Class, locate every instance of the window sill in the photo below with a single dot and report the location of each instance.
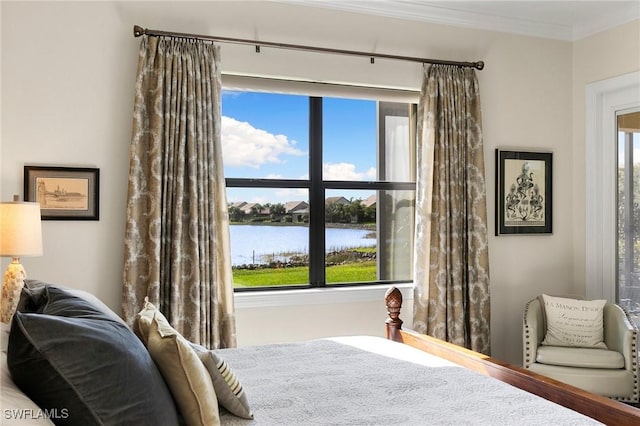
(318, 296)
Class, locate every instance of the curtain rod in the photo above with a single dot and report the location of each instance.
(139, 31)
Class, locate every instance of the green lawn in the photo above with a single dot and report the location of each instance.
(351, 272)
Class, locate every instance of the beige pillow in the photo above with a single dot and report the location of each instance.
(228, 388)
(186, 376)
(572, 322)
(143, 320)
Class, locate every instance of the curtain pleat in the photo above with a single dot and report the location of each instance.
(451, 257)
(177, 250)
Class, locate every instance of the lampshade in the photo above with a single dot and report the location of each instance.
(20, 229)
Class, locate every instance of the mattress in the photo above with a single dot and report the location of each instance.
(364, 380)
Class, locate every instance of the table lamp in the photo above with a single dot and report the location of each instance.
(20, 235)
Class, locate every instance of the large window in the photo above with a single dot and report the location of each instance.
(321, 190)
(629, 213)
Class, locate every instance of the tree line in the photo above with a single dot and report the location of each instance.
(351, 211)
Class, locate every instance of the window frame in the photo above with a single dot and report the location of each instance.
(317, 188)
(627, 270)
(603, 99)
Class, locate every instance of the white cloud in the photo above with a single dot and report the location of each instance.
(244, 145)
(266, 195)
(288, 194)
(346, 171)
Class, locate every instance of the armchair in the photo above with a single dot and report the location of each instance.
(611, 372)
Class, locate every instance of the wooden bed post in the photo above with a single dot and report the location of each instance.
(393, 301)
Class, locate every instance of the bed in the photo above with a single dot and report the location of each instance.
(404, 379)
(604, 410)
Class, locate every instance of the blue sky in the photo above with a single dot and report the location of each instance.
(266, 135)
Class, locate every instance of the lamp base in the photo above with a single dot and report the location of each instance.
(12, 285)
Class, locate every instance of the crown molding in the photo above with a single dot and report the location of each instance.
(454, 13)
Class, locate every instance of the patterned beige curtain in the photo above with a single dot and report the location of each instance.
(451, 268)
(177, 235)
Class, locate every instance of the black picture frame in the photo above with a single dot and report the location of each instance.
(524, 192)
(64, 193)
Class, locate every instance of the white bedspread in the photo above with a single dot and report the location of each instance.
(336, 382)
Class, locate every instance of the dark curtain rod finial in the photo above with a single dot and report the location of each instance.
(139, 31)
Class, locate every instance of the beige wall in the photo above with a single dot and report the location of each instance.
(67, 91)
(599, 57)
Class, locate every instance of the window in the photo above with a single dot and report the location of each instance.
(321, 190)
(605, 99)
(629, 213)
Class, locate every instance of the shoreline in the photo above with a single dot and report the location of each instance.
(333, 258)
(367, 226)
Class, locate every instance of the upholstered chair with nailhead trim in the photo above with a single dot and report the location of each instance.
(610, 372)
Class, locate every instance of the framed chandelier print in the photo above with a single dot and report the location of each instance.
(524, 187)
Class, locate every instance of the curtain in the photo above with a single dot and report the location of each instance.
(451, 257)
(177, 250)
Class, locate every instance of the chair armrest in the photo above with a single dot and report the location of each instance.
(533, 331)
(621, 335)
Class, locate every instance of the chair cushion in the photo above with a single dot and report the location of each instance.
(619, 383)
(579, 357)
(575, 323)
(85, 366)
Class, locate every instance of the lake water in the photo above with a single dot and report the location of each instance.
(253, 243)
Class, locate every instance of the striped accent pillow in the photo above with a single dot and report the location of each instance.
(227, 386)
(232, 381)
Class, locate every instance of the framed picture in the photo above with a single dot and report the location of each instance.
(523, 192)
(64, 193)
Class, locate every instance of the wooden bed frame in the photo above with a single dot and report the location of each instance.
(603, 409)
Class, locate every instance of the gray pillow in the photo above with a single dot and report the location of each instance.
(30, 298)
(84, 366)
